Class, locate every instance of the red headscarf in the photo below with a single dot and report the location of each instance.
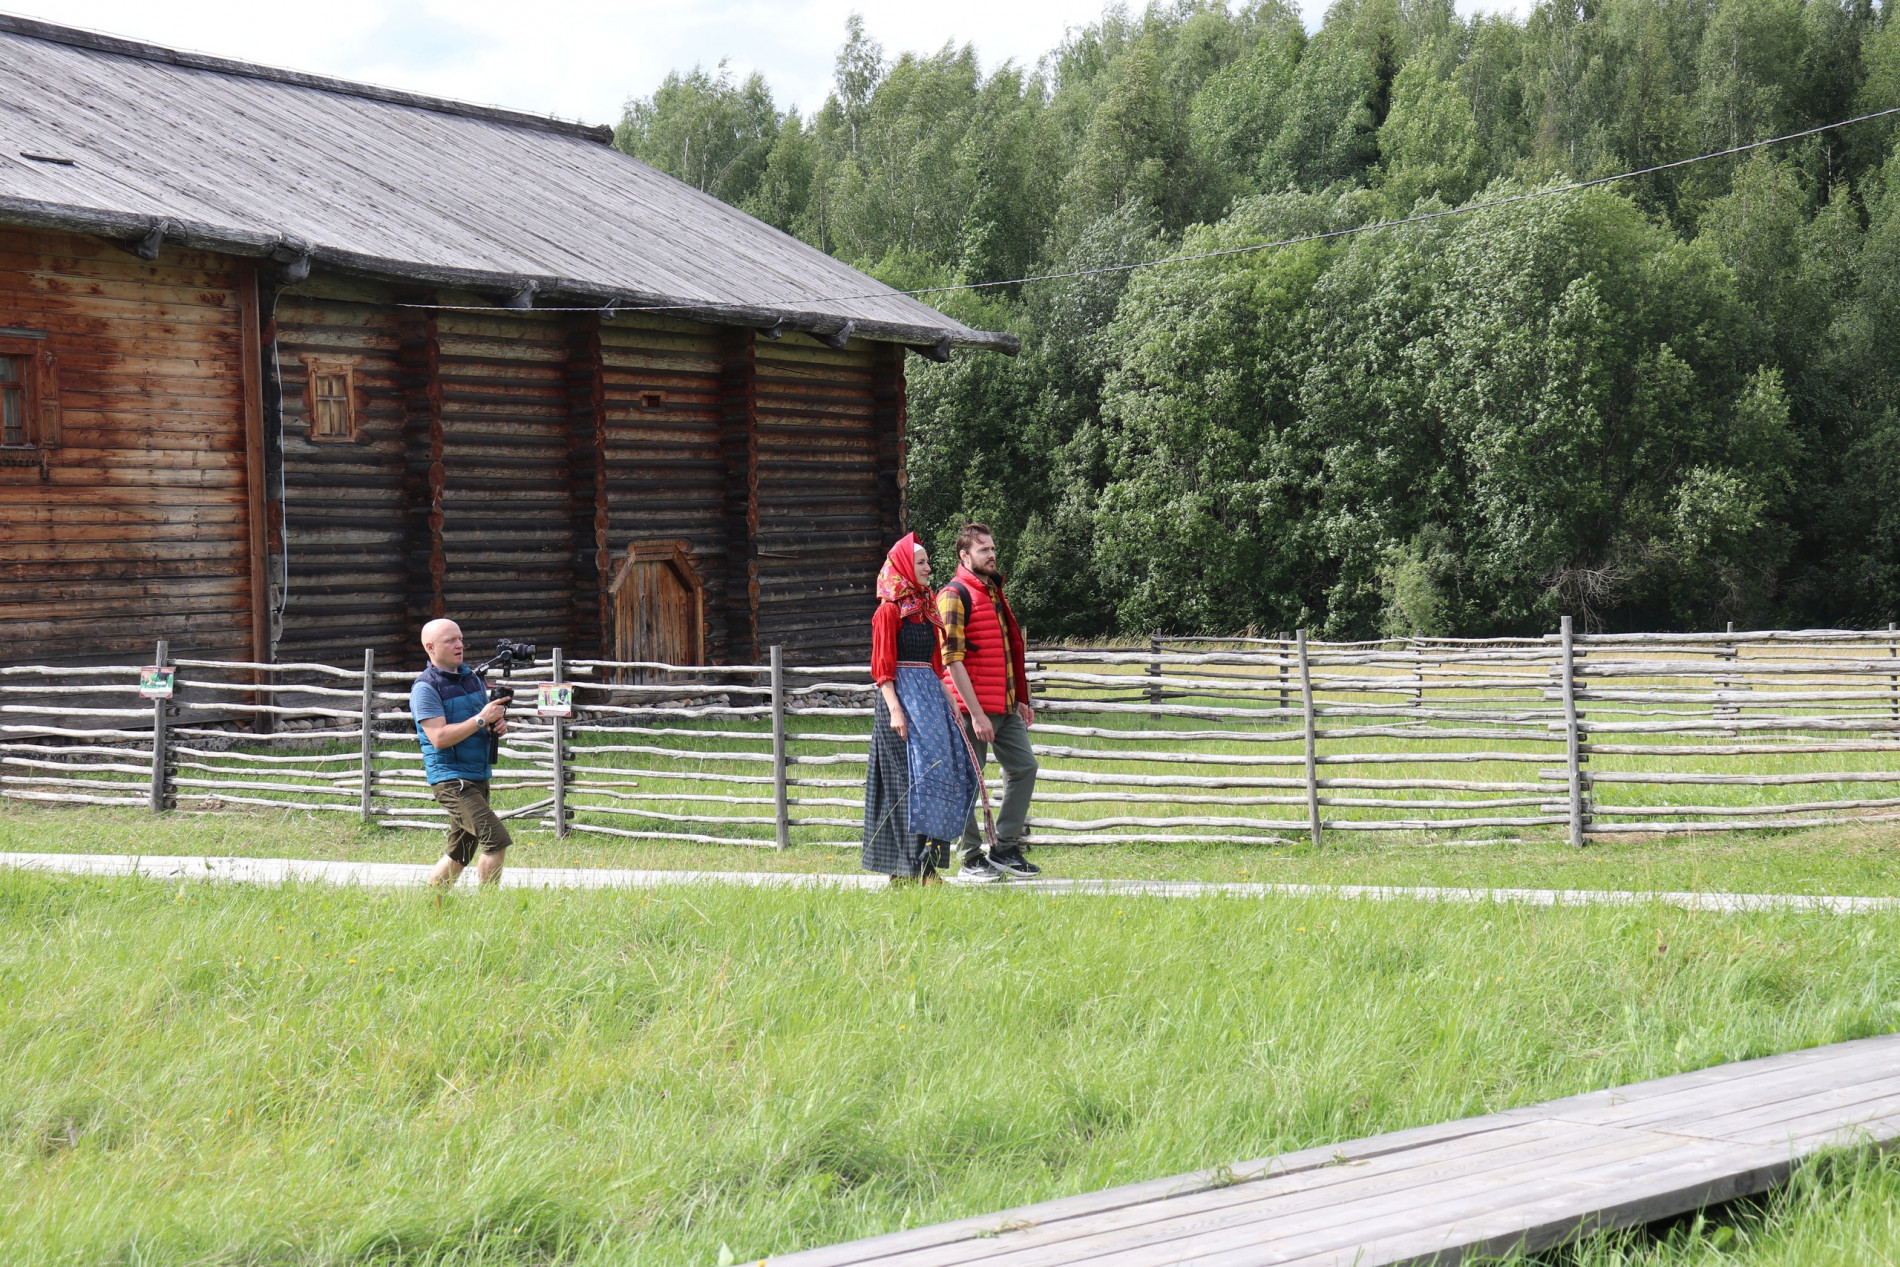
(897, 582)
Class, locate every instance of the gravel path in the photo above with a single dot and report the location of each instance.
(397, 874)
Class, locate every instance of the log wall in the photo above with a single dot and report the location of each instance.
(507, 531)
(138, 524)
(345, 503)
(666, 477)
(499, 468)
(821, 513)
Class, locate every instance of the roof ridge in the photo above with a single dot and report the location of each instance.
(80, 38)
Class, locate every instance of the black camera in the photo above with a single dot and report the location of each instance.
(509, 656)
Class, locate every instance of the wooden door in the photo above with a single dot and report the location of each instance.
(659, 608)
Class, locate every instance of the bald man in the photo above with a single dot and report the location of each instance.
(454, 718)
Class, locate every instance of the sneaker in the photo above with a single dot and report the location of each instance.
(1009, 859)
(979, 870)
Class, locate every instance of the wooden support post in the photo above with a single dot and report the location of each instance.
(1726, 683)
(1573, 763)
(1282, 658)
(560, 757)
(1418, 692)
(590, 621)
(424, 448)
(780, 811)
(739, 452)
(369, 735)
(161, 741)
(257, 489)
(1312, 740)
(1893, 683)
(889, 418)
(1154, 668)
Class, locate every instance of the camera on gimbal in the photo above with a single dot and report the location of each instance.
(509, 656)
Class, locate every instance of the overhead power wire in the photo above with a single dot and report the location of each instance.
(1224, 253)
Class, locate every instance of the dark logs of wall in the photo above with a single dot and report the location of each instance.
(139, 522)
(504, 463)
(821, 536)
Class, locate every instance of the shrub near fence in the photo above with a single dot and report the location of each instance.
(1245, 740)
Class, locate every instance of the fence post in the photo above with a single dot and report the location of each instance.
(1418, 671)
(781, 813)
(1893, 683)
(1573, 763)
(369, 734)
(1281, 653)
(1726, 683)
(1312, 741)
(560, 757)
(161, 740)
(1154, 668)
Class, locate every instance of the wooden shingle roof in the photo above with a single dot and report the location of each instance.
(111, 137)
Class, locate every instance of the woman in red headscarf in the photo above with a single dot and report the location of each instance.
(920, 785)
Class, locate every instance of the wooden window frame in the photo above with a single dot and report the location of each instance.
(318, 367)
(39, 386)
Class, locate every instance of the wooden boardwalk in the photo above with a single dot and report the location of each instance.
(1530, 1178)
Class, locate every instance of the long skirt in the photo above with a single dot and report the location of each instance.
(917, 794)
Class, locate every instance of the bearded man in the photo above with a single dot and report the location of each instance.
(984, 662)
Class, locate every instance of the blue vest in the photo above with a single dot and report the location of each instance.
(461, 696)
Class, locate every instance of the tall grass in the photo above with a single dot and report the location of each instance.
(314, 1075)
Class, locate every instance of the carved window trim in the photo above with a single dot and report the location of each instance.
(329, 399)
(34, 392)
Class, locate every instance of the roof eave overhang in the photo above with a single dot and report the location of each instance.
(283, 248)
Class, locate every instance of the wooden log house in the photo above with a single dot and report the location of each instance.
(289, 366)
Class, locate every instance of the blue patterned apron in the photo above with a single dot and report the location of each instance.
(943, 786)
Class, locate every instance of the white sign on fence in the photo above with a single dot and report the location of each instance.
(554, 699)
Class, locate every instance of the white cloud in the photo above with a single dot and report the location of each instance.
(575, 58)
(584, 58)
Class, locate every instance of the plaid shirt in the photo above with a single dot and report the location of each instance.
(955, 644)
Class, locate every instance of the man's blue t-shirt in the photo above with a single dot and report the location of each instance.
(454, 697)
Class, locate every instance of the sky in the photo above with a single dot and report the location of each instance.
(578, 59)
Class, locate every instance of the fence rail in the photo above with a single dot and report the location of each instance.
(1257, 740)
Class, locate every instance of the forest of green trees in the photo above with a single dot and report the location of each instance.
(1663, 403)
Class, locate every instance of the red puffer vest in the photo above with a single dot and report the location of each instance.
(986, 654)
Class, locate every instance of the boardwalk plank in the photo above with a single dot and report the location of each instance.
(1683, 1096)
(1533, 1215)
(1415, 1200)
(1531, 1177)
(1324, 1188)
(882, 1249)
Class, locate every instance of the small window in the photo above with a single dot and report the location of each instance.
(652, 400)
(14, 432)
(332, 401)
(29, 397)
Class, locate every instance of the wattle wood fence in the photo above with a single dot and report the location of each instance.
(1249, 740)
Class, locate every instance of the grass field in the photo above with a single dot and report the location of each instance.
(203, 1074)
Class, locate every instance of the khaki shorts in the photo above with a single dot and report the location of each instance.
(472, 825)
